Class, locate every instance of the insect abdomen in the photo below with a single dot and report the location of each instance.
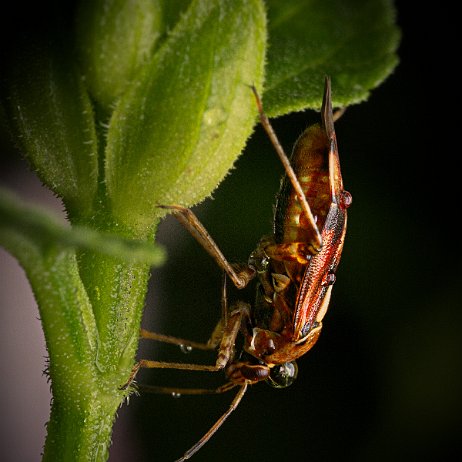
(310, 162)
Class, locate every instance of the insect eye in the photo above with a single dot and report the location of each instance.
(283, 375)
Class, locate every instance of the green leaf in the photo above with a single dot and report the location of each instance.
(353, 41)
(51, 118)
(115, 38)
(177, 132)
(172, 11)
(19, 221)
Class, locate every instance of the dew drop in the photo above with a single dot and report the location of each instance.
(345, 199)
(186, 349)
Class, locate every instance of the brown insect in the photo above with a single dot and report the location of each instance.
(295, 268)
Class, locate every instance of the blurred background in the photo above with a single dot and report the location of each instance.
(384, 381)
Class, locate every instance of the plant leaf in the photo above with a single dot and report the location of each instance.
(115, 38)
(39, 226)
(177, 132)
(353, 41)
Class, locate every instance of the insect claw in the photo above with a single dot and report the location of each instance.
(131, 380)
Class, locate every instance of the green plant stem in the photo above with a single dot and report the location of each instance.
(80, 431)
(86, 391)
(116, 290)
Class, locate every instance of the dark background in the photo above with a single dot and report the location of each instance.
(384, 381)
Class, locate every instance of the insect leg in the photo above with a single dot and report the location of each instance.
(237, 399)
(146, 334)
(150, 364)
(225, 350)
(240, 275)
(339, 113)
(230, 332)
(188, 391)
(212, 342)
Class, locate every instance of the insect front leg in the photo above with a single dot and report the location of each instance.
(225, 350)
(241, 275)
(236, 318)
(149, 364)
(227, 340)
(212, 342)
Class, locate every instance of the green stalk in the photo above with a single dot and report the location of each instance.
(85, 397)
(91, 340)
(80, 433)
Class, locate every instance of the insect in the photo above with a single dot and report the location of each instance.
(294, 267)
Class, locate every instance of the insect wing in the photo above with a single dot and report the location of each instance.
(316, 286)
(314, 292)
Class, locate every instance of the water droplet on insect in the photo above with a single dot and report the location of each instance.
(330, 278)
(176, 395)
(186, 349)
(345, 199)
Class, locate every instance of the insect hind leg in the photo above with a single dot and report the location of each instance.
(237, 399)
(187, 391)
